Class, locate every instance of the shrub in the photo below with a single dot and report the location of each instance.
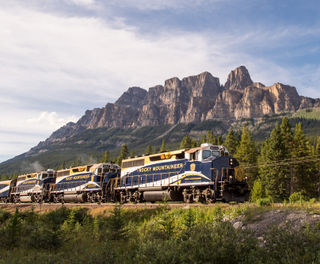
(296, 197)
(264, 201)
(313, 200)
(257, 191)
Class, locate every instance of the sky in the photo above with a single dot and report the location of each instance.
(59, 58)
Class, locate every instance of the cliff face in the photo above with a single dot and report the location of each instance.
(192, 99)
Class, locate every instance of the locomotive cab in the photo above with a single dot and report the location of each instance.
(45, 174)
(206, 152)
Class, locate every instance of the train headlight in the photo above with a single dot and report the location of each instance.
(230, 161)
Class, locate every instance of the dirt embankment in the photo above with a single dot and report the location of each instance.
(261, 220)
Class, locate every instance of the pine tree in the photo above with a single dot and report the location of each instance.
(247, 155)
(148, 150)
(123, 154)
(210, 137)
(163, 147)
(274, 176)
(318, 147)
(186, 142)
(287, 137)
(317, 152)
(231, 142)
(195, 143)
(203, 139)
(78, 162)
(62, 166)
(238, 137)
(287, 134)
(304, 172)
(105, 157)
(117, 227)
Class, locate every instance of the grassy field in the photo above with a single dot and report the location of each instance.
(199, 234)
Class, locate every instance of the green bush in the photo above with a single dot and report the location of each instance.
(264, 201)
(257, 191)
(296, 197)
(313, 200)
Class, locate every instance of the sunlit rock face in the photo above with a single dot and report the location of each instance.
(193, 99)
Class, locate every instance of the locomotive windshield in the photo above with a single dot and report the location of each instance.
(206, 154)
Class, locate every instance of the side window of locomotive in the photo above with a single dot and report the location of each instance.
(206, 154)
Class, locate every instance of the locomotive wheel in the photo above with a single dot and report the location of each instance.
(16, 199)
(188, 198)
(39, 198)
(91, 197)
(202, 199)
(123, 198)
(55, 198)
(60, 197)
(99, 198)
(137, 197)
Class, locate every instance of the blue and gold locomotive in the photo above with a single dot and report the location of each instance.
(84, 183)
(32, 187)
(204, 174)
(5, 191)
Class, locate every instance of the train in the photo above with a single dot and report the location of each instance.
(202, 174)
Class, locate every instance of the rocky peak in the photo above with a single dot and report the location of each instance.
(132, 97)
(172, 83)
(285, 97)
(238, 79)
(202, 85)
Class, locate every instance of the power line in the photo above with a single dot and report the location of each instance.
(297, 160)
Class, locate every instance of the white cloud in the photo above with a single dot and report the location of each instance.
(160, 4)
(22, 129)
(86, 3)
(50, 120)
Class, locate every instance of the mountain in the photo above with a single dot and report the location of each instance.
(193, 99)
(140, 117)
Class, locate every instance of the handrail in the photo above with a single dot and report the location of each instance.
(142, 180)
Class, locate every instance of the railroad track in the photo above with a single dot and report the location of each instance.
(94, 206)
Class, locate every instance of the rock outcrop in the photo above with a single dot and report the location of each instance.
(192, 99)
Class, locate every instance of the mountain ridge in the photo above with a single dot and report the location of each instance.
(194, 98)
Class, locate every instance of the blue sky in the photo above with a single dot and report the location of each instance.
(61, 57)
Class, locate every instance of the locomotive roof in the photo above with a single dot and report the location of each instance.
(171, 154)
(5, 182)
(163, 154)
